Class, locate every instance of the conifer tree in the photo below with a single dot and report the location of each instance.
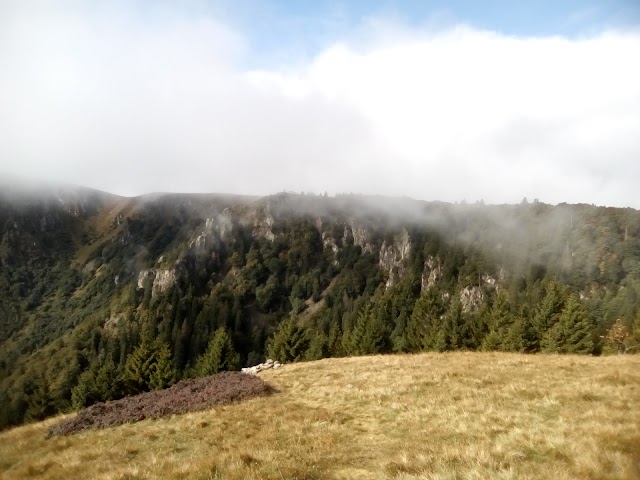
(107, 385)
(334, 340)
(162, 374)
(452, 327)
(82, 392)
(369, 335)
(139, 367)
(573, 331)
(499, 322)
(425, 322)
(289, 342)
(521, 336)
(492, 341)
(97, 384)
(149, 367)
(219, 356)
(318, 347)
(40, 403)
(548, 313)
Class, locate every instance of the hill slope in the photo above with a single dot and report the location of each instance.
(433, 416)
(91, 282)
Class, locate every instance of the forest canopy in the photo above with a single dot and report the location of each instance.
(106, 296)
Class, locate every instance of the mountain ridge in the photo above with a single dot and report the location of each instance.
(89, 278)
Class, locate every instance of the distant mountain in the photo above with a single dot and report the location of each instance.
(93, 282)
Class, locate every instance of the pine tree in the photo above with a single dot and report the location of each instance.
(334, 341)
(139, 368)
(40, 403)
(454, 327)
(318, 347)
(399, 334)
(521, 336)
(492, 341)
(107, 386)
(369, 335)
(81, 394)
(573, 331)
(499, 321)
(548, 313)
(219, 356)
(97, 384)
(162, 374)
(289, 342)
(425, 322)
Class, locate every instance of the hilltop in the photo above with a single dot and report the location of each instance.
(428, 416)
(105, 296)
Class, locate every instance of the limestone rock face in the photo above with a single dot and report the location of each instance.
(431, 273)
(145, 278)
(212, 233)
(489, 281)
(361, 237)
(263, 226)
(329, 243)
(471, 298)
(393, 256)
(164, 280)
(158, 279)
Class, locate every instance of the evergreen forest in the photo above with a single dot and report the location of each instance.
(103, 296)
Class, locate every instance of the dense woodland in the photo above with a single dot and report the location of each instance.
(105, 296)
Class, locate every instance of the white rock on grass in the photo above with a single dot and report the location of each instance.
(262, 366)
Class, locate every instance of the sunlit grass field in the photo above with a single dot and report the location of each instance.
(428, 416)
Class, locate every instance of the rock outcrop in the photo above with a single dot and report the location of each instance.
(269, 364)
(471, 298)
(393, 256)
(431, 273)
(263, 226)
(359, 235)
(158, 279)
(329, 243)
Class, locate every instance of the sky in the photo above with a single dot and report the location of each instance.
(450, 101)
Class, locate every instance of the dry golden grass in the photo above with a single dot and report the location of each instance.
(432, 416)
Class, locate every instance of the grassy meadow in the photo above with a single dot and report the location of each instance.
(428, 416)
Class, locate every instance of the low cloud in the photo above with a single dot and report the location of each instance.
(106, 99)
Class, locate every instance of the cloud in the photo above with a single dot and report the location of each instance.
(132, 102)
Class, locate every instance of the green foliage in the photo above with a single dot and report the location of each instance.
(81, 303)
(318, 348)
(548, 313)
(219, 356)
(522, 335)
(289, 342)
(425, 327)
(369, 336)
(40, 403)
(162, 374)
(97, 384)
(493, 341)
(573, 331)
(149, 367)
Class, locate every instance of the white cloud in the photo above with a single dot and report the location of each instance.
(108, 100)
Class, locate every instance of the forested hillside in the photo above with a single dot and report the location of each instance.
(104, 296)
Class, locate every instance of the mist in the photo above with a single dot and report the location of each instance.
(103, 98)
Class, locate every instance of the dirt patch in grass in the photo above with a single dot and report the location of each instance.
(185, 396)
